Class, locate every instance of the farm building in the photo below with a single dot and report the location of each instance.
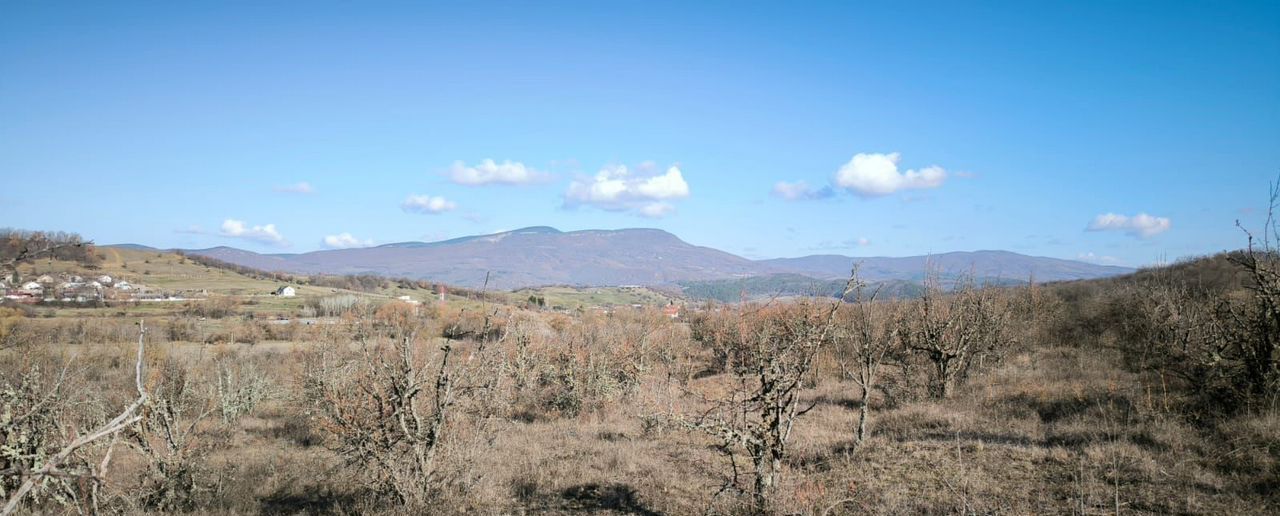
(286, 291)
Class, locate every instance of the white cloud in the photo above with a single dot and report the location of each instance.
(876, 175)
(616, 188)
(302, 187)
(800, 191)
(262, 234)
(1140, 225)
(863, 242)
(427, 204)
(489, 172)
(345, 241)
(657, 210)
(1100, 260)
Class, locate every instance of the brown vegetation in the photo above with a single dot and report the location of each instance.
(1155, 393)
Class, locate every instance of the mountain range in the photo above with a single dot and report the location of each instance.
(538, 256)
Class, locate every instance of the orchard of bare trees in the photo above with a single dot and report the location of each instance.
(1150, 393)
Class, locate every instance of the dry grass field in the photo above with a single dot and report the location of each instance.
(1074, 398)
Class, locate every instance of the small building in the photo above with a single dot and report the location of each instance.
(671, 311)
(409, 299)
(286, 291)
(19, 296)
(124, 285)
(105, 280)
(32, 287)
(45, 280)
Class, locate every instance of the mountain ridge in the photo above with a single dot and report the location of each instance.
(543, 255)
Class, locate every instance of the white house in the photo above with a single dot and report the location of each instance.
(124, 285)
(105, 280)
(45, 280)
(32, 287)
(286, 291)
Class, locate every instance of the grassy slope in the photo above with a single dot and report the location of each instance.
(171, 272)
(573, 297)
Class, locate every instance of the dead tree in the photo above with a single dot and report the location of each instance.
(53, 466)
(777, 349)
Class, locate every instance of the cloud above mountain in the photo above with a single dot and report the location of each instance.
(876, 175)
(265, 234)
(1141, 225)
(639, 191)
(345, 241)
(427, 204)
(489, 172)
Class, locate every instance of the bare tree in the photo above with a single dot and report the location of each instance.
(389, 414)
(864, 339)
(53, 466)
(1174, 333)
(1224, 347)
(777, 346)
(17, 247)
(166, 436)
(953, 330)
(718, 332)
(1256, 339)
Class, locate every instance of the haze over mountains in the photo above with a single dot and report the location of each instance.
(538, 256)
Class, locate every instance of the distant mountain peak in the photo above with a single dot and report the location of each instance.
(536, 230)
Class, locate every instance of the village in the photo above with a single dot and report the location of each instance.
(82, 289)
(77, 289)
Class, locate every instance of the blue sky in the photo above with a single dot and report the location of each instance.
(1118, 132)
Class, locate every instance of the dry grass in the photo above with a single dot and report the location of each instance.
(576, 417)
